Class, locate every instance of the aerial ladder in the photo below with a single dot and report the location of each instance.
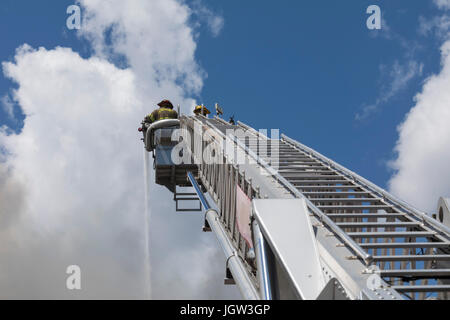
(294, 224)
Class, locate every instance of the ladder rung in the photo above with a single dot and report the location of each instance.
(278, 155)
(295, 175)
(345, 199)
(377, 224)
(303, 171)
(366, 215)
(416, 273)
(299, 177)
(347, 187)
(321, 181)
(295, 155)
(331, 193)
(356, 207)
(416, 257)
(406, 234)
(264, 143)
(379, 245)
(424, 288)
(289, 159)
(284, 152)
(302, 168)
(187, 199)
(299, 160)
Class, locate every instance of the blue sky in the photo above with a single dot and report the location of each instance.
(306, 67)
(309, 68)
(37, 23)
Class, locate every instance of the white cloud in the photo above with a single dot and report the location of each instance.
(76, 175)
(421, 165)
(443, 4)
(398, 77)
(216, 24)
(214, 21)
(439, 25)
(73, 177)
(8, 106)
(401, 75)
(155, 39)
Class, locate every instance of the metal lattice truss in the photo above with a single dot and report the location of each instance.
(370, 244)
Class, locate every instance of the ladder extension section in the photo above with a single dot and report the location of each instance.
(401, 241)
(402, 245)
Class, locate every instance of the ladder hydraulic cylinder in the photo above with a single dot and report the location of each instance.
(265, 288)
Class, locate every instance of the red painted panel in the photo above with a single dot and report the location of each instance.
(243, 212)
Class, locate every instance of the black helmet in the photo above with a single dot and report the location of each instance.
(166, 104)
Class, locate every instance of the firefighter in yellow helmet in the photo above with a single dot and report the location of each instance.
(201, 110)
(165, 111)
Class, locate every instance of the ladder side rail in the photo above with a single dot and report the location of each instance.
(234, 263)
(365, 189)
(208, 173)
(252, 130)
(356, 280)
(322, 217)
(375, 196)
(409, 256)
(378, 194)
(227, 220)
(383, 193)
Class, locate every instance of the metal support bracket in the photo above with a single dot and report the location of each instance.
(333, 291)
(186, 196)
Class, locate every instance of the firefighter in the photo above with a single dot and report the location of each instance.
(165, 111)
(201, 110)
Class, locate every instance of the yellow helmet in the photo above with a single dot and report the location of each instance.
(201, 110)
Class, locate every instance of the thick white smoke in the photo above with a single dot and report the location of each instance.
(71, 189)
